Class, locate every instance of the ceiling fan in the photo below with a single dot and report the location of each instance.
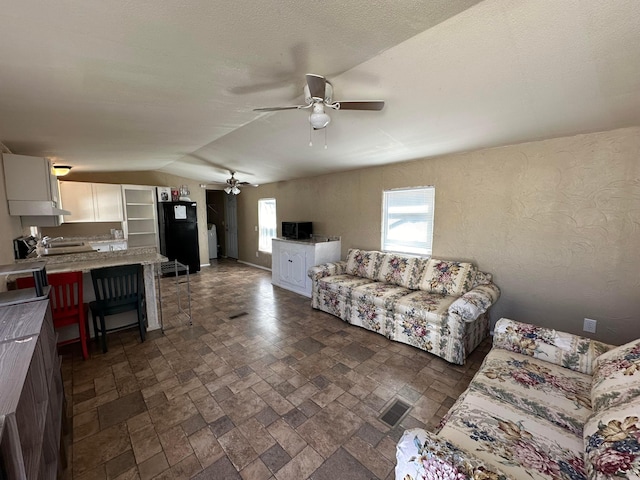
(318, 95)
(233, 184)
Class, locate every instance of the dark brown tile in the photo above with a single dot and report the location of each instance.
(121, 409)
(193, 424)
(275, 458)
(357, 352)
(222, 468)
(342, 465)
(221, 426)
(295, 417)
(267, 416)
(308, 346)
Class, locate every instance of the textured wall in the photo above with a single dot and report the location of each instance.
(556, 221)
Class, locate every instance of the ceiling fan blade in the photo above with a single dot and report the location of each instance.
(362, 105)
(275, 109)
(316, 85)
(247, 184)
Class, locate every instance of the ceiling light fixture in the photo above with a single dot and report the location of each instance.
(319, 119)
(235, 190)
(61, 170)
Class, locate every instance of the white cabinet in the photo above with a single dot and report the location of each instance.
(92, 202)
(107, 202)
(32, 190)
(292, 259)
(141, 216)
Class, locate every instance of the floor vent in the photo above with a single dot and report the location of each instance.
(396, 412)
(236, 315)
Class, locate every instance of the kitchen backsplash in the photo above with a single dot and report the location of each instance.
(81, 229)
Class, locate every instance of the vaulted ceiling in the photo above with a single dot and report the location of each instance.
(171, 86)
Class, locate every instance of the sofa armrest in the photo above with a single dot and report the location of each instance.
(421, 454)
(475, 302)
(327, 269)
(561, 348)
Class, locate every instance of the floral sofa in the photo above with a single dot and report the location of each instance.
(544, 405)
(436, 305)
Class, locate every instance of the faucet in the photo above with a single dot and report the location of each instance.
(47, 240)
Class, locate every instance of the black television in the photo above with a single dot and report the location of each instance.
(297, 230)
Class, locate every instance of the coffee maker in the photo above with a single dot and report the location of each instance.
(23, 246)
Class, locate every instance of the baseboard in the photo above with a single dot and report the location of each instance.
(254, 265)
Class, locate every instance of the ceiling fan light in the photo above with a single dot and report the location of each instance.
(235, 190)
(227, 190)
(319, 120)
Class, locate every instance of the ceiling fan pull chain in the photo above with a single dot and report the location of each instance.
(325, 138)
(310, 142)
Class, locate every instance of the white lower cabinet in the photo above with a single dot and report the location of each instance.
(291, 259)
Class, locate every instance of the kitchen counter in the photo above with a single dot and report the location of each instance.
(87, 261)
(310, 241)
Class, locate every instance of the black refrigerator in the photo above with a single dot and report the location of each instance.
(179, 233)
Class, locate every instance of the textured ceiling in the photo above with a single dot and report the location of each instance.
(142, 85)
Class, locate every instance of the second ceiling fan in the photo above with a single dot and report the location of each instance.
(318, 95)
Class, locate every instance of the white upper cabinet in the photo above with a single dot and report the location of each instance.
(91, 202)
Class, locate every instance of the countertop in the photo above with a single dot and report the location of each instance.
(87, 261)
(309, 241)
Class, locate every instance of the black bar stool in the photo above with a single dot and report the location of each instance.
(118, 289)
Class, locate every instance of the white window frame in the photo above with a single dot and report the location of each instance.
(421, 212)
(267, 224)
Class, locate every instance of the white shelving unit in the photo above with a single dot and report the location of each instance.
(141, 216)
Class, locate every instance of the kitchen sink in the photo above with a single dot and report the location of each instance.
(65, 244)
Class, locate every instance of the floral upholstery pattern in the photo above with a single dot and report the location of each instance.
(539, 388)
(448, 278)
(421, 320)
(401, 270)
(475, 302)
(327, 269)
(372, 306)
(362, 263)
(616, 376)
(422, 455)
(382, 293)
(612, 442)
(528, 413)
(570, 351)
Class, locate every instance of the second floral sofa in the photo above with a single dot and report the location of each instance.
(436, 305)
(544, 405)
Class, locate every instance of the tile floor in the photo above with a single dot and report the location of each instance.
(279, 391)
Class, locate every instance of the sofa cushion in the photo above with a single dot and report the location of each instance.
(447, 278)
(342, 283)
(363, 263)
(379, 294)
(520, 444)
(536, 387)
(420, 319)
(561, 348)
(616, 376)
(612, 442)
(401, 270)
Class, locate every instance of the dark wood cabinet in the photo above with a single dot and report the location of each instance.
(31, 392)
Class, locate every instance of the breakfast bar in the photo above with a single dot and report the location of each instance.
(87, 261)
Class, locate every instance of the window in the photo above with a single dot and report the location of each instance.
(267, 226)
(407, 220)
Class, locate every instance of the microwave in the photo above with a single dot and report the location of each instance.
(297, 230)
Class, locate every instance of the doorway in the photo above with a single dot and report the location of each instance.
(231, 227)
(215, 217)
